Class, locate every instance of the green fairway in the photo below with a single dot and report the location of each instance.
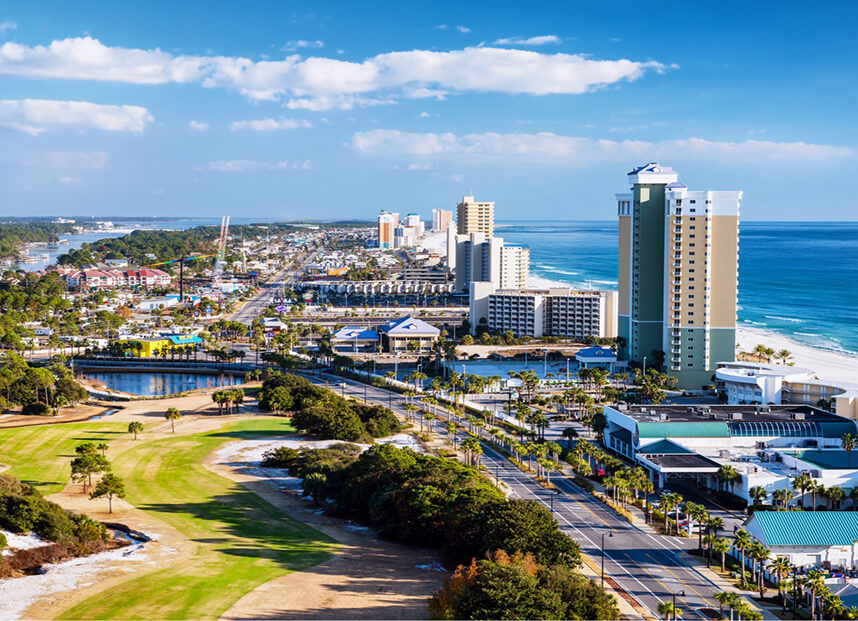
(40, 455)
(241, 540)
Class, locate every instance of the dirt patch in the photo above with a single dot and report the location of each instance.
(367, 579)
(67, 415)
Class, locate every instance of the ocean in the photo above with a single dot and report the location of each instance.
(799, 279)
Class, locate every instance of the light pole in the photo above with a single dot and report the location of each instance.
(610, 534)
(681, 594)
(644, 366)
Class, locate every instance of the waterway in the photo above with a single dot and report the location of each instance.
(157, 384)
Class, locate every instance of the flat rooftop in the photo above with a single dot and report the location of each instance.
(727, 413)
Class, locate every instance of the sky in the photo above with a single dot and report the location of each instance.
(315, 110)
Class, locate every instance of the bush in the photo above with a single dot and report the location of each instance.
(36, 409)
(327, 423)
(3, 542)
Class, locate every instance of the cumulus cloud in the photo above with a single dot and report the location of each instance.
(269, 125)
(239, 166)
(463, 29)
(550, 147)
(198, 126)
(306, 82)
(35, 116)
(7, 26)
(529, 41)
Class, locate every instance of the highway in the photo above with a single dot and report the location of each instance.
(647, 567)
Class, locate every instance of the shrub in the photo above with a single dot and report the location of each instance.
(36, 409)
(3, 542)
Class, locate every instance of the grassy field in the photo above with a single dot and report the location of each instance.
(241, 540)
(41, 455)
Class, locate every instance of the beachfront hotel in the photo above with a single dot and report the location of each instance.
(474, 217)
(678, 274)
(387, 223)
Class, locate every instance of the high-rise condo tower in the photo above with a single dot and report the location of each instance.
(474, 217)
(678, 274)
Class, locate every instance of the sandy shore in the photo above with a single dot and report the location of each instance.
(434, 242)
(828, 365)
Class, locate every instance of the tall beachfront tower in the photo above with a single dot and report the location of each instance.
(474, 217)
(387, 223)
(678, 274)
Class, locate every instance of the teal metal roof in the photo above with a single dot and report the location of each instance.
(836, 459)
(664, 447)
(808, 528)
(707, 429)
(836, 429)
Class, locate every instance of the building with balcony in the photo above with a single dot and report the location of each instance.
(474, 217)
(677, 273)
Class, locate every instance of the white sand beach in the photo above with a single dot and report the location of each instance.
(434, 242)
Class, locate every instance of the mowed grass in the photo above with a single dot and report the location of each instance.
(241, 541)
(41, 455)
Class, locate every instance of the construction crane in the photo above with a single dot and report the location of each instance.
(220, 262)
(181, 261)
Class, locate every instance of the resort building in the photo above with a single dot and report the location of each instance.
(478, 258)
(678, 266)
(514, 266)
(158, 345)
(596, 357)
(441, 220)
(543, 312)
(474, 217)
(759, 382)
(768, 446)
(407, 334)
(387, 223)
(355, 338)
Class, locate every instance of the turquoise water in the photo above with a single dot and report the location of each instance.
(799, 279)
(159, 384)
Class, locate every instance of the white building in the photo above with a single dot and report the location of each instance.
(756, 382)
(515, 266)
(809, 539)
(441, 220)
(543, 312)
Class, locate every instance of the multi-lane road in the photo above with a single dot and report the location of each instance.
(648, 568)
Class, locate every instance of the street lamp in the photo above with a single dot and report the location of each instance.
(644, 366)
(610, 534)
(681, 594)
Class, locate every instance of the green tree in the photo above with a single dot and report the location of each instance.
(314, 486)
(742, 542)
(85, 465)
(667, 610)
(135, 427)
(110, 485)
(172, 415)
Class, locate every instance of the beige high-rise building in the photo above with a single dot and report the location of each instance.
(474, 217)
(678, 274)
(387, 223)
(441, 219)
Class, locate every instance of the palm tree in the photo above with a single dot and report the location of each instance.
(802, 483)
(135, 428)
(847, 441)
(713, 525)
(742, 541)
(667, 503)
(668, 611)
(721, 545)
(853, 494)
(173, 415)
(728, 599)
(815, 583)
(761, 554)
(783, 355)
(780, 569)
(698, 514)
(835, 495)
(758, 494)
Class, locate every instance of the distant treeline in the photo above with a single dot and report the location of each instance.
(13, 235)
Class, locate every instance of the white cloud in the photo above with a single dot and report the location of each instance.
(338, 102)
(530, 41)
(316, 82)
(7, 26)
(442, 26)
(457, 177)
(269, 125)
(69, 180)
(302, 44)
(463, 29)
(422, 166)
(238, 166)
(198, 126)
(35, 116)
(424, 115)
(549, 147)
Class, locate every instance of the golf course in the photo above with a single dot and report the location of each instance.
(237, 540)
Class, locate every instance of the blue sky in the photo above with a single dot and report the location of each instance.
(336, 110)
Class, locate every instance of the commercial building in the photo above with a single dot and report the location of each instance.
(355, 338)
(543, 312)
(474, 217)
(152, 346)
(387, 223)
(478, 258)
(768, 446)
(441, 220)
(678, 266)
(763, 383)
(407, 334)
(808, 539)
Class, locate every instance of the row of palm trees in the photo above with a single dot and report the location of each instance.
(762, 351)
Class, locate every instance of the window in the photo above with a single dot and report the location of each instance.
(690, 313)
(692, 201)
